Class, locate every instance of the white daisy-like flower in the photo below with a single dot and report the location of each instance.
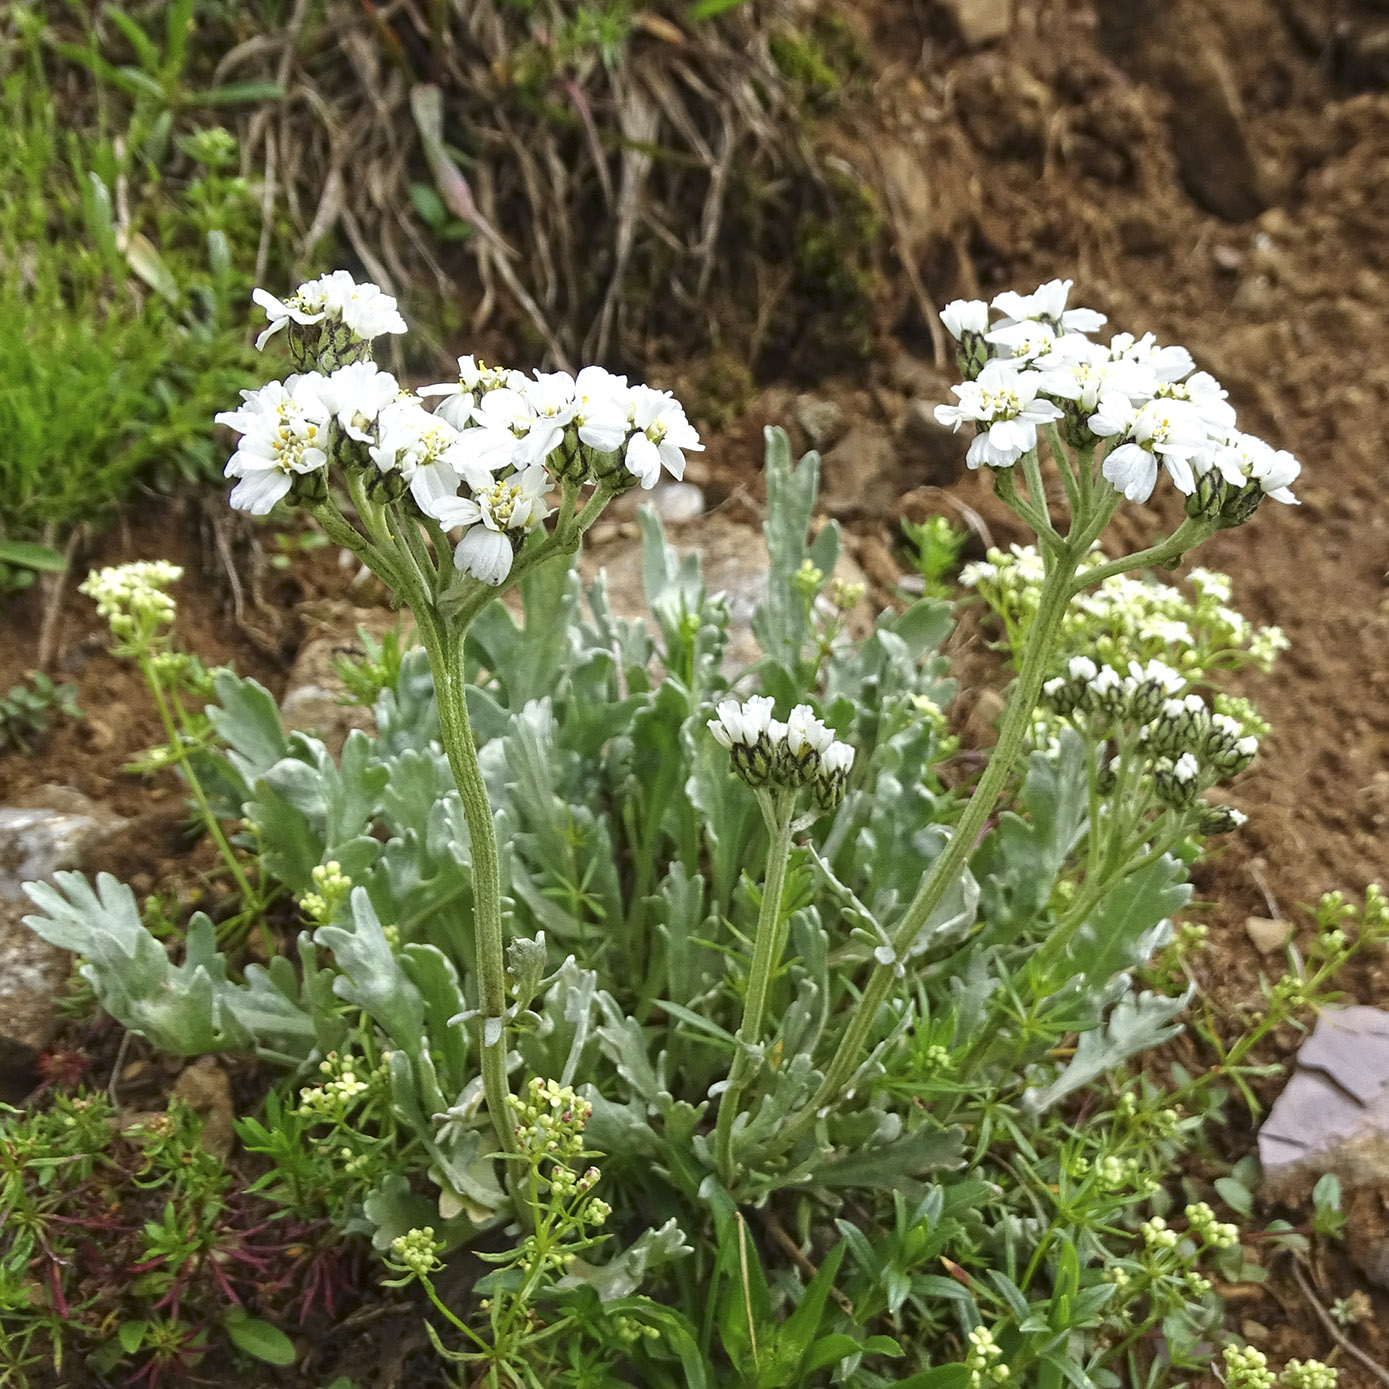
(502, 418)
(284, 430)
(602, 408)
(1024, 340)
(1245, 458)
(741, 724)
(1004, 399)
(1166, 431)
(660, 438)
(1047, 304)
(1082, 371)
(1207, 396)
(356, 395)
(837, 759)
(495, 515)
(426, 451)
(961, 316)
(1167, 363)
(364, 308)
(475, 379)
(805, 733)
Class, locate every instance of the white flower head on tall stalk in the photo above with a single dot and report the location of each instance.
(475, 379)
(1024, 340)
(356, 395)
(1047, 304)
(364, 308)
(1166, 431)
(426, 451)
(284, 431)
(1002, 401)
(661, 435)
(496, 518)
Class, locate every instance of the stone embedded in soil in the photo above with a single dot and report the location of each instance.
(859, 475)
(1333, 1114)
(1267, 934)
(52, 828)
(1333, 1117)
(824, 421)
(314, 691)
(981, 21)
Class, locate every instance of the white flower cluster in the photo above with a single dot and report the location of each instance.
(767, 752)
(363, 309)
(485, 460)
(981, 1359)
(133, 593)
(1126, 618)
(1185, 747)
(1037, 365)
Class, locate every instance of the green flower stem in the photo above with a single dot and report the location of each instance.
(1006, 488)
(776, 810)
(1057, 591)
(178, 744)
(1036, 488)
(1187, 536)
(444, 645)
(1075, 498)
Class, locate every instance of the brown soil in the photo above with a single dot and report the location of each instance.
(1215, 172)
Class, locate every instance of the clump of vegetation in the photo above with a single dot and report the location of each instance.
(127, 244)
(28, 711)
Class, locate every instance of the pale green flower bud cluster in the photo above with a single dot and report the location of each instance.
(1213, 1233)
(550, 1119)
(1126, 618)
(630, 1331)
(418, 1251)
(982, 1359)
(1247, 1368)
(132, 597)
(346, 1080)
(332, 887)
(1309, 1374)
(1156, 1236)
(786, 756)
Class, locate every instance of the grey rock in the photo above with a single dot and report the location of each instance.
(52, 828)
(1267, 934)
(1333, 1114)
(824, 421)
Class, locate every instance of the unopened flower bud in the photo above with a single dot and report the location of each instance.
(1221, 819)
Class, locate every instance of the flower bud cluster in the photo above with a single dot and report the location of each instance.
(1036, 365)
(1125, 618)
(1309, 1374)
(981, 1360)
(346, 1080)
(418, 1251)
(133, 597)
(1246, 1368)
(1213, 1233)
(1156, 1236)
(550, 1119)
(769, 753)
(332, 887)
(1186, 747)
(483, 462)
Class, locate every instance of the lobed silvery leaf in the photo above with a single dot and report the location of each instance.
(188, 1009)
(370, 975)
(624, 1274)
(1138, 1022)
(1018, 863)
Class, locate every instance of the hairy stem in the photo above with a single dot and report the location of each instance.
(777, 812)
